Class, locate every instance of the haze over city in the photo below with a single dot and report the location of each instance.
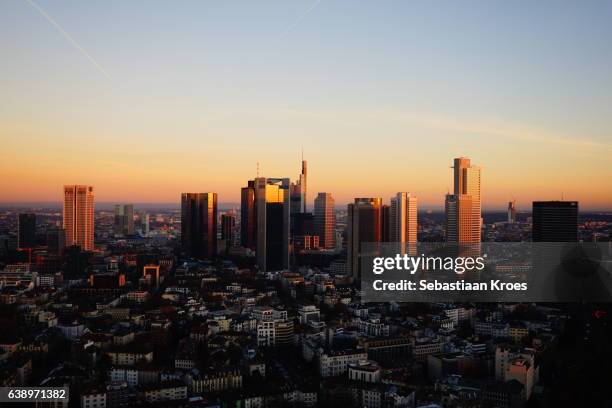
(191, 97)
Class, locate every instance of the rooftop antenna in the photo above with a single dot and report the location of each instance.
(562, 196)
(257, 169)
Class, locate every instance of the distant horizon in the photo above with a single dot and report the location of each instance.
(108, 205)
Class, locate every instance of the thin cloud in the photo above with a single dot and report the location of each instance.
(300, 18)
(512, 131)
(68, 37)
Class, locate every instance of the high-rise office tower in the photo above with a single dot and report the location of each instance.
(144, 220)
(26, 231)
(364, 224)
(124, 219)
(463, 207)
(228, 223)
(298, 191)
(272, 206)
(385, 223)
(511, 212)
(199, 224)
(78, 216)
(403, 219)
(56, 240)
(248, 219)
(458, 209)
(555, 221)
(325, 220)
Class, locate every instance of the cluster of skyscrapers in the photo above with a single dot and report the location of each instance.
(371, 222)
(274, 219)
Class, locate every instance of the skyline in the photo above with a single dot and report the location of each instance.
(230, 204)
(190, 98)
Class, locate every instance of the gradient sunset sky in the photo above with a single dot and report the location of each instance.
(145, 100)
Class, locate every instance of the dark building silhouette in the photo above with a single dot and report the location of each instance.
(272, 210)
(199, 224)
(265, 221)
(555, 221)
(364, 225)
(228, 223)
(77, 261)
(26, 236)
(248, 219)
(303, 234)
(303, 223)
(56, 240)
(386, 223)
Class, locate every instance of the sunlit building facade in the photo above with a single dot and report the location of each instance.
(325, 220)
(78, 216)
(511, 212)
(463, 207)
(403, 219)
(299, 190)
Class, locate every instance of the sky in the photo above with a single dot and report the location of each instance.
(145, 100)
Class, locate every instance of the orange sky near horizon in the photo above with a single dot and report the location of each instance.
(37, 160)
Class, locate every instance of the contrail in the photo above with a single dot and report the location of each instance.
(72, 41)
(300, 18)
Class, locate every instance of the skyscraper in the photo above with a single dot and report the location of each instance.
(364, 224)
(272, 206)
(511, 212)
(463, 207)
(403, 219)
(143, 218)
(555, 221)
(458, 209)
(124, 219)
(26, 231)
(228, 222)
(78, 216)
(325, 220)
(199, 224)
(248, 219)
(385, 223)
(298, 191)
